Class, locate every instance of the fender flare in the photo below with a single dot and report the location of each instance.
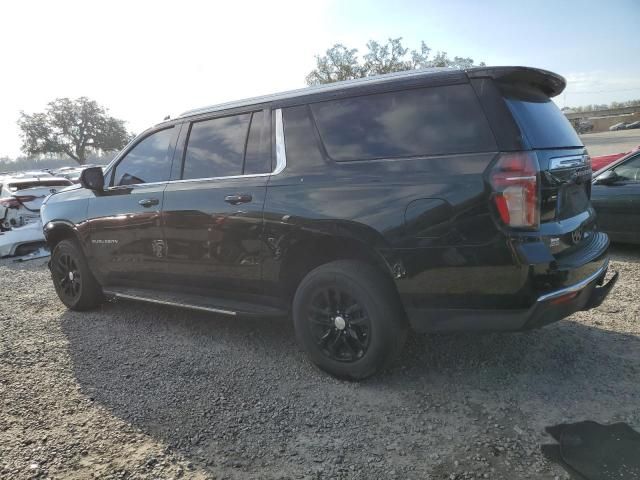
(57, 230)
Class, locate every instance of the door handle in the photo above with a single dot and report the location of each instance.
(238, 198)
(149, 202)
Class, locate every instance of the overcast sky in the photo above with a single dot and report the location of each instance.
(147, 59)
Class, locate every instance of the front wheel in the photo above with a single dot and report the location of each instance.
(348, 319)
(72, 279)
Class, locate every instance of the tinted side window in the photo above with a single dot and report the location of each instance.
(303, 150)
(148, 162)
(425, 121)
(541, 121)
(629, 170)
(257, 157)
(215, 147)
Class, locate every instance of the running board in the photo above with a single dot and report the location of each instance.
(194, 302)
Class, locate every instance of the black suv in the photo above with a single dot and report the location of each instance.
(440, 200)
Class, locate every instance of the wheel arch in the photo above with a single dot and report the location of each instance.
(314, 249)
(58, 230)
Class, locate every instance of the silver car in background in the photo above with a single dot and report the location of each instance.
(20, 200)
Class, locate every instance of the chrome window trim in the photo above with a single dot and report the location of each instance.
(281, 162)
(281, 151)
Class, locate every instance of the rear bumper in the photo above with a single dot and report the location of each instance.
(12, 239)
(585, 294)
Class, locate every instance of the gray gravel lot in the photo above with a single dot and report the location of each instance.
(139, 391)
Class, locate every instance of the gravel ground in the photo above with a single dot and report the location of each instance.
(139, 391)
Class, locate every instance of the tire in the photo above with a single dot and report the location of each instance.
(348, 318)
(79, 291)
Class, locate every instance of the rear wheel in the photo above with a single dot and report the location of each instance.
(348, 319)
(72, 279)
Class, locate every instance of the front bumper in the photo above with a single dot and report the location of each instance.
(550, 307)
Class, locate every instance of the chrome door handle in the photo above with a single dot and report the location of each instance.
(149, 202)
(238, 198)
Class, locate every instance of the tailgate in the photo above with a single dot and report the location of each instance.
(566, 217)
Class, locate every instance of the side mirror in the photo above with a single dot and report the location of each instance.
(607, 178)
(92, 178)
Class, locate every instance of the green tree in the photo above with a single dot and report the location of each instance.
(339, 63)
(72, 127)
(342, 63)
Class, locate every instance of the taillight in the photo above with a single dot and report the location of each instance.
(514, 179)
(16, 200)
(9, 202)
(25, 198)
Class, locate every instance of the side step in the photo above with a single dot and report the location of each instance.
(195, 302)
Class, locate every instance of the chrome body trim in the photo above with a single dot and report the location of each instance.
(576, 286)
(558, 163)
(171, 304)
(281, 151)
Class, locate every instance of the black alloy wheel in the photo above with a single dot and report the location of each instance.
(349, 319)
(340, 325)
(73, 280)
(67, 277)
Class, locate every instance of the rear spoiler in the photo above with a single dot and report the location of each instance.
(550, 83)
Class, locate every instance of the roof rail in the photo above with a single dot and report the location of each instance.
(551, 83)
(329, 87)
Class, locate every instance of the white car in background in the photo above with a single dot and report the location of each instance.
(73, 173)
(20, 201)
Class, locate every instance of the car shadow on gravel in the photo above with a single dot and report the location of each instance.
(239, 393)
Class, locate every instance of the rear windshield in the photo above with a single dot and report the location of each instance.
(540, 120)
(14, 187)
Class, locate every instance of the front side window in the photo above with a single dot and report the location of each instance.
(416, 122)
(629, 171)
(215, 148)
(148, 162)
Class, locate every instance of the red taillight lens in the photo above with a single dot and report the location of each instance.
(25, 198)
(9, 202)
(514, 179)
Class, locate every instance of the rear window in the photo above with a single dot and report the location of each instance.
(539, 119)
(14, 187)
(256, 156)
(417, 122)
(215, 147)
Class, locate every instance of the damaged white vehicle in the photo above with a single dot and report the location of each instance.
(20, 201)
